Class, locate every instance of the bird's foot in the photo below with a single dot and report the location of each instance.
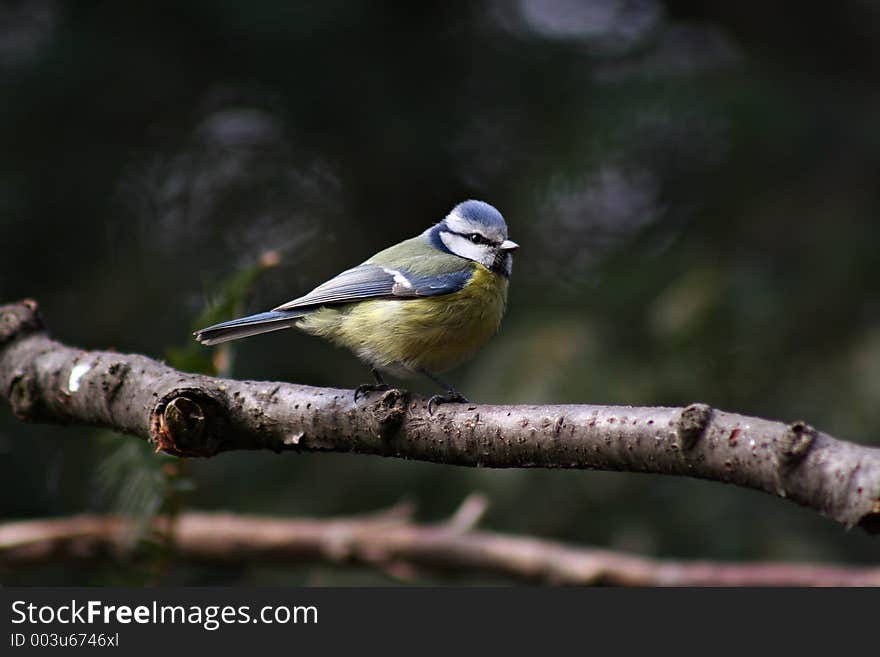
(451, 397)
(367, 388)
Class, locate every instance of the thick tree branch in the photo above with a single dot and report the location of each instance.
(393, 544)
(193, 415)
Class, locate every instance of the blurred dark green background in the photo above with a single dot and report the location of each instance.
(694, 186)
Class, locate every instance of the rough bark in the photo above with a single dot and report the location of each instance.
(392, 544)
(194, 415)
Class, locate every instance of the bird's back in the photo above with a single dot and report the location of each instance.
(417, 256)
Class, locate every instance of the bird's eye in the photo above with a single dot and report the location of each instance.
(476, 238)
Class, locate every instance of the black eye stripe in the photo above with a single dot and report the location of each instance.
(474, 238)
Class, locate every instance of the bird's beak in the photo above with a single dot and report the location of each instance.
(509, 245)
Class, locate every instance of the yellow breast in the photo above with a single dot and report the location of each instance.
(433, 333)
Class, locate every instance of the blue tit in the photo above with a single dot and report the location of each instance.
(421, 306)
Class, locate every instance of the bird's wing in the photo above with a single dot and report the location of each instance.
(372, 281)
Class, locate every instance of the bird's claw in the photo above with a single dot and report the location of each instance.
(449, 398)
(366, 388)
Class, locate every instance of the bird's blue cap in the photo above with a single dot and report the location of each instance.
(481, 213)
(467, 218)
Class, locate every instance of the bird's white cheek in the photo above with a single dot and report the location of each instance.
(467, 249)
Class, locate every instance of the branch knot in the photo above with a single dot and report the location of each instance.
(23, 393)
(184, 423)
(691, 424)
(19, 318)
(796, 442)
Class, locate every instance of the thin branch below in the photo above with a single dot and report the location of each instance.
(194, 415)
(394, 545)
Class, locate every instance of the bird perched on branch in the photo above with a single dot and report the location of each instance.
(421, 306)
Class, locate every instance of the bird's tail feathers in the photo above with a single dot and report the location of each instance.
(246, 326)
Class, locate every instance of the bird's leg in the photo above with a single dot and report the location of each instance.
(452, 395)
(379, 386)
